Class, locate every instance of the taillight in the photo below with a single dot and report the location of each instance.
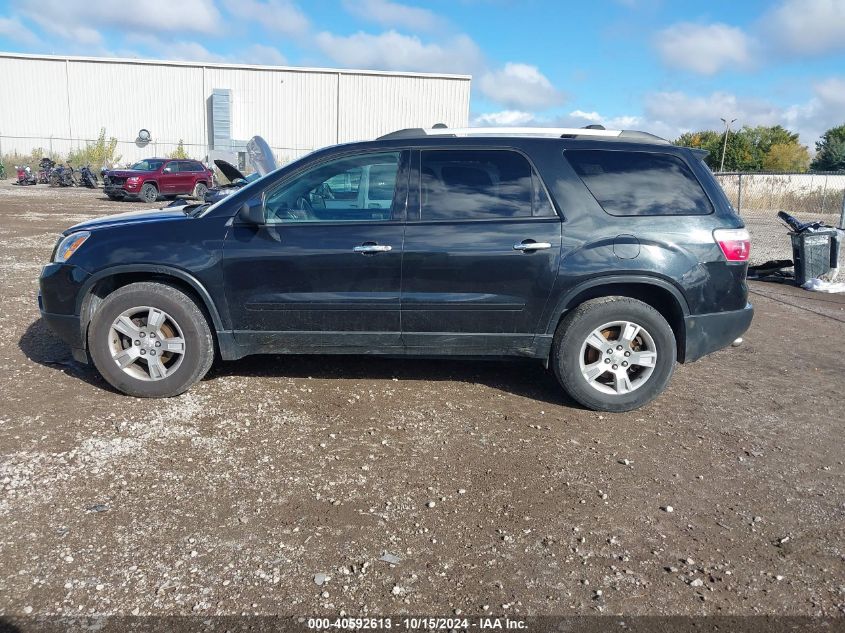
(735, 243)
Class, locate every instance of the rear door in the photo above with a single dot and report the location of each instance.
(482, 248)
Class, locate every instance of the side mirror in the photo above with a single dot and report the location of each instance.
(252, 212)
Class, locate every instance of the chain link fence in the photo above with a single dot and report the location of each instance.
(20, 150)
(758, 198)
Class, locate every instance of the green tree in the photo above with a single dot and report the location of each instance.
(786, 157)
(740, 154)
(830, 150)
(97, 153)
(179, 152)
(748, 148)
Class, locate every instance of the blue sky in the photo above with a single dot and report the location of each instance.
(660, 65)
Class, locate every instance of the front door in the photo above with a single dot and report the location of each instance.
(325, 271)
(482, 249)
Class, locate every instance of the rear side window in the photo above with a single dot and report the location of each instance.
(195, 167)
(640, 183)
(479, 185)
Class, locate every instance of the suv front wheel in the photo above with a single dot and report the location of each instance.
(150, 340)
(614, 353)
(148, 193)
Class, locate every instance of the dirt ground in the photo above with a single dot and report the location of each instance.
(496, 494)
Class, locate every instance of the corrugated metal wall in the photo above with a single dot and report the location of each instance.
(58, 103)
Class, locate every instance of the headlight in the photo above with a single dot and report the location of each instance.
(69, 245)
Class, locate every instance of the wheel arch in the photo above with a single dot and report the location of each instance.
(102, 283)
(658, 293)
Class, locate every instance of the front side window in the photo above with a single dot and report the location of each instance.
(640, 183)
(479, 185)
(353, 188)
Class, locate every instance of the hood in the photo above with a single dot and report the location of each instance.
(260, 155)
(126, 173)
(231, 172)
(132, 217)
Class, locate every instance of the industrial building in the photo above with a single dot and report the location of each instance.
(57, 103)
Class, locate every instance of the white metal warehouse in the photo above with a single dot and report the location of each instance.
(59, 103)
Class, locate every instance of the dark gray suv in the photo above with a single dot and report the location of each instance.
(606, 255)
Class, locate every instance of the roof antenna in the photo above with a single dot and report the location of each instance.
(593, 126)
(439, 126)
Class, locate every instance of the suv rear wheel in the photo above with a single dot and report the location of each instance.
(148, 193)
(199, 191)
(150, 340)
(614, 353)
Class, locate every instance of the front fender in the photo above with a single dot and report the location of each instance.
(153, 269)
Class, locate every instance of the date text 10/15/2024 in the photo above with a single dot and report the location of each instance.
(417, 623)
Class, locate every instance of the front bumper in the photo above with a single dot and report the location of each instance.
(58, 300)
(706, 333)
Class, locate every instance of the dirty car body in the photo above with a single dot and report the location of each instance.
(608, 258)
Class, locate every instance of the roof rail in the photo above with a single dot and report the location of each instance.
(592, 131)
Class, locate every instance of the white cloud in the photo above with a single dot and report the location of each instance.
(13, 29)
(179, 50)
(280, 16)
(186, 50)
(505, 118)
(704, 48)
(806, 26)
(575, 119)
(394, 51)
(80, 24)
(690, 112)
(264, 55)
(519, 86)
(394, 14)
(669, 114)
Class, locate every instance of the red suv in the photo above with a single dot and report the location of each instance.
(152, 178)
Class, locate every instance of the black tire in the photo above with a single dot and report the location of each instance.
(569, 346)
(148, 193)
(198, 341)
(200, 190)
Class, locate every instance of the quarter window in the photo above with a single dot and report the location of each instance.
(479, 185)
(360, 187)
(640, 183)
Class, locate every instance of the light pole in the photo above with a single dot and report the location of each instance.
(725, 146)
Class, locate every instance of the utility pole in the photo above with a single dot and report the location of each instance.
(725, 146)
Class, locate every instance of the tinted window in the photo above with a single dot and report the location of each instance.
(190, 166)
(357, 187)
(640, 183)
(478, 185)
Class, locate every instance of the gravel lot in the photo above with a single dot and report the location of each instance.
(277, 484)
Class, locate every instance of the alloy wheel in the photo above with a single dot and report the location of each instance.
(146, 343)
(618, 357)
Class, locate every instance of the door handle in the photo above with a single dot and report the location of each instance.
(372, 248)
(531, 246)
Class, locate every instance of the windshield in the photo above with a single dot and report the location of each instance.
(148, 165)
